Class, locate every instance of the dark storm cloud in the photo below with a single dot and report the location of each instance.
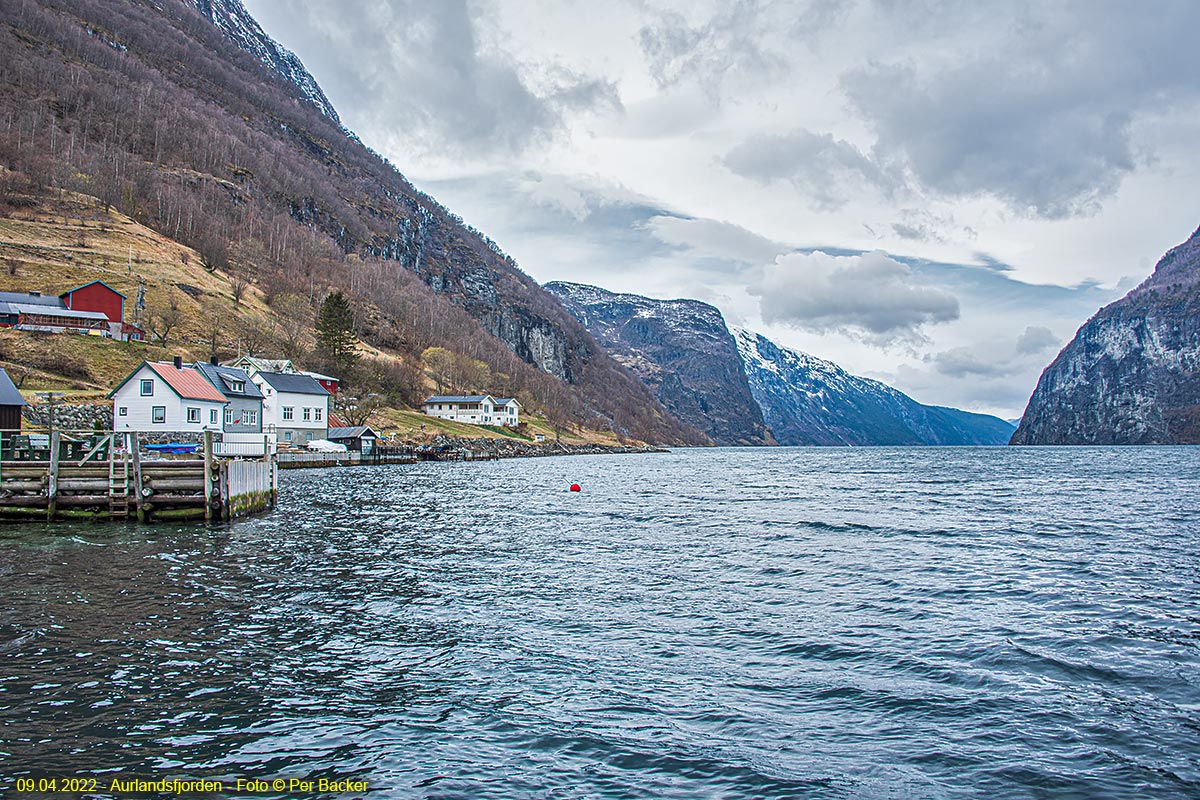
(1037, 107)
(420, 71)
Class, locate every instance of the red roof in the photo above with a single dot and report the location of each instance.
(188, 383)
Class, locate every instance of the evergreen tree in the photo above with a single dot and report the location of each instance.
(336, 341)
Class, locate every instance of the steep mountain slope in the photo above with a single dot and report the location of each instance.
(1131, 375)
(183, 126)
(809, 401)
(233, 18)
(682, 350)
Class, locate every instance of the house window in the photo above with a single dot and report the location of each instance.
(317, 414)
(308, 415)
(249, 417)
(193, 414)
(237, 386)
(229, 416)
(147, 387)
(158, 414)
(308, 436)
(289, 413)
(287, 436)
(212, 416)
(123, 411)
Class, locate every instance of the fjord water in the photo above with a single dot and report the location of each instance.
(778, 623)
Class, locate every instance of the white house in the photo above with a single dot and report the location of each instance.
(508, 411)
(159, 396)
(295, 406)
(477, 409)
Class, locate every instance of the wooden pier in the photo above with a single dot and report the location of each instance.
(105, 476)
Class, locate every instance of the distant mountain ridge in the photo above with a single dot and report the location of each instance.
(809, 401)
(1131, 374)
(683, 352)
(743, 389)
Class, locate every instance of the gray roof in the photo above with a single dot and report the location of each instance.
(503, 401)
(351, 432)
(50, 309)
(224, 377)
(266, 364)
(296, 384)
(9, 396)
(26, 297)
(458, 398)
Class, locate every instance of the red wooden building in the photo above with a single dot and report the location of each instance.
(98, 296)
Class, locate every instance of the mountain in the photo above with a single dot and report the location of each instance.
(740, 388)
(186, 117)
(1131, 375)
(681, 350)
(810, 401)
(233, 18)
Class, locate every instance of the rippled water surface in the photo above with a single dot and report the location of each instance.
(728, 624)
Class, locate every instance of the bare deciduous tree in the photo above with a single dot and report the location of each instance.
(164, 320)
(293, 325)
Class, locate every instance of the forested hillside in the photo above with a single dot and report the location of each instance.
(161, 115)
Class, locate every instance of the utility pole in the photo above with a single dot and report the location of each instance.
(51, 398)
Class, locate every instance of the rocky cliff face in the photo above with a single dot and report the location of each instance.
(681, 350)
(1131, 375)
(809, 401)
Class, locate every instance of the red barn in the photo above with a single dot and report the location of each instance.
(96, 296)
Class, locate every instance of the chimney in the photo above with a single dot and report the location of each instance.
(178, 362)
(213, 360)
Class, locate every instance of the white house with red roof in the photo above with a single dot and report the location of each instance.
(167, 397)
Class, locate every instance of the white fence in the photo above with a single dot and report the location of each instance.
(251, 445)
(250, 486)
(319, 458)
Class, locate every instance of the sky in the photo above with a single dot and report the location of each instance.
(929, 193)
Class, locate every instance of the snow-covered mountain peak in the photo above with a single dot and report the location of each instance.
(808, 400)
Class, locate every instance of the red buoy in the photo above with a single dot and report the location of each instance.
(575, 487)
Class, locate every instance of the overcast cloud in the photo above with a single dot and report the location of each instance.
(871, 293)
(936, 195)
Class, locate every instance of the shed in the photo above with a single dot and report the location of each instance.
(359, 438)
(11, 403)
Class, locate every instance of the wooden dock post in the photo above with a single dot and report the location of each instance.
(133, 443)
(52, 482)
(209, 483)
